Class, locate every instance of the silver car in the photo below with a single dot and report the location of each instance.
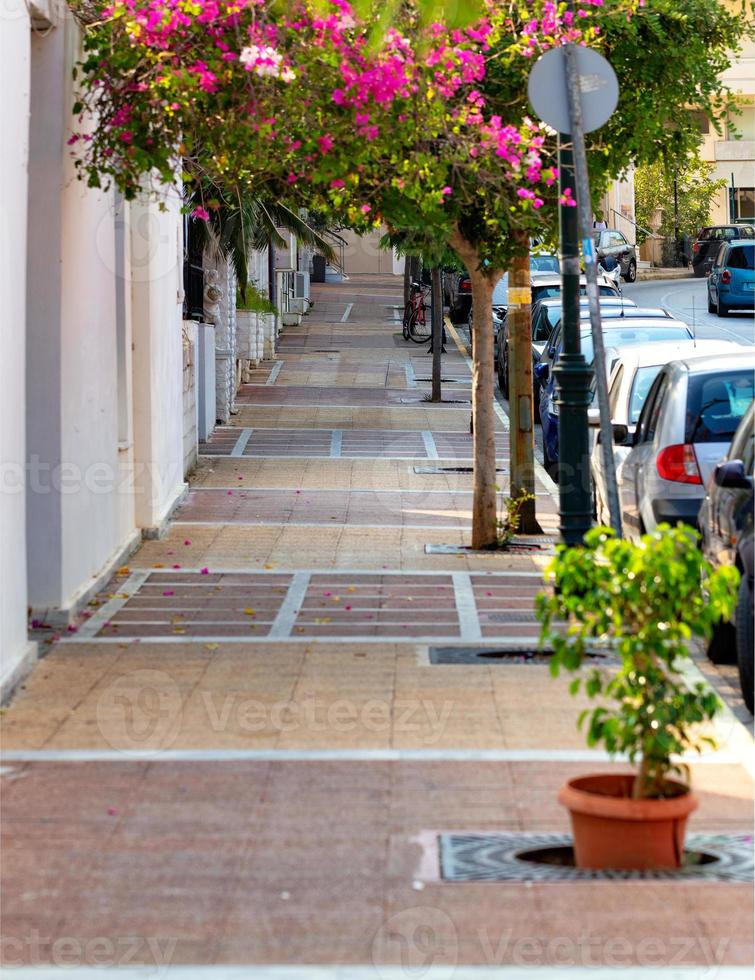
(691, 412)
(633, 369)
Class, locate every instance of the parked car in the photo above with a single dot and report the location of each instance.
(546, 313)
(708, 241)
(726, 524)
(633, 369)
(731, 283)
(652, 330)
(610, 242)
(459, 293)
(689, 418)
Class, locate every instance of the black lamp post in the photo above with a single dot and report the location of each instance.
(573, 373)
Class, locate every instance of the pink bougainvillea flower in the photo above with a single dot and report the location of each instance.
(169, 592)
(187, 541)
(204, 571)
(201, 213)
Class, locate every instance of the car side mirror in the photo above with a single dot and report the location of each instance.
(551, 352)
(541, 372)
(731, 474)
(623, 435)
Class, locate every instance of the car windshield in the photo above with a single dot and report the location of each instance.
(544, 263)
(716, 404)
(643, 379)
(633, 335)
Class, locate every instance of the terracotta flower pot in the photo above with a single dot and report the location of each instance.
(611, 830)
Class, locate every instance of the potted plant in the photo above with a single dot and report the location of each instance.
(644, 602)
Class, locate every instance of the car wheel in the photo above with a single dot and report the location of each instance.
(536, 403)
(744, 622)
(722, 648)
(721, 308)
(711, 304)
(631, 273)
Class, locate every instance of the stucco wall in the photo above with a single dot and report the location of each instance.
(14, 78)
(79, 521)
(157, 322)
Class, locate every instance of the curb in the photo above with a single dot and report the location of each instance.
(649, 275)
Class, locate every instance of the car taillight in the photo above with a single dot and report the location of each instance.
(696, 247)
(465, 286)
(678, 464)
(726, 277)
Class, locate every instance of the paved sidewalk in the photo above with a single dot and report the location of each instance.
(261, 744)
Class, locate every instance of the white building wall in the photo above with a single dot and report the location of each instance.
(78, 522)
(224, 319)
(157, 329)
(16, 653)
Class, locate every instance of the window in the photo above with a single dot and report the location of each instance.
(617, 240)
(613, 393)
(742, 258)
(701, 121)
(642, 425)
(744, 203)
(643, 379)
(716, 404)
(656, 408)
(741, 125)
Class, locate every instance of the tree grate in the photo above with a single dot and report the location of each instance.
(549, 857)
(515, 654)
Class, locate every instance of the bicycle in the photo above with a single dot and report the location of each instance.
(416, 326)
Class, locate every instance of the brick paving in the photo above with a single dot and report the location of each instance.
(283, 625)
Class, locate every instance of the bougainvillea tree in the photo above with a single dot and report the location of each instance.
(427, 132)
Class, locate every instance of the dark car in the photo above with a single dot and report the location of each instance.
(726, 524)
(706, 246)
(611, 243)
(546, 313)
(458, 296)
(731, 283)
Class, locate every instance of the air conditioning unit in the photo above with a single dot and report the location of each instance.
(285, 258)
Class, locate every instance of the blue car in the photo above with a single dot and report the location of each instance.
(731, 283)
(615, 334)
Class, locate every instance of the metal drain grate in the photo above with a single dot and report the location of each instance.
(499, 857)
(514, 545)
(453, 469)
(490, 656)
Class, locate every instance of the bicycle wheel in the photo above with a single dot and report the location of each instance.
(420, 328)
(408, 310)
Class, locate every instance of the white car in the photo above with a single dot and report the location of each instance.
(687, 421)
(632, 370)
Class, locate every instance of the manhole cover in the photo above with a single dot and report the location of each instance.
(549, 857)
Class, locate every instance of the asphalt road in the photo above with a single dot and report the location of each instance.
(687, 300)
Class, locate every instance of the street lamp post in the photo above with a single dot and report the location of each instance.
(573, 373)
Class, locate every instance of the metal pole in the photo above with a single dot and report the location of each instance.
(573, 374)
(437, 336)
(584, 210)
(676, 219)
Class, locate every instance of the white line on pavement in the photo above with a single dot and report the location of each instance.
(336, 441)
(347, 312)
(125, 590)
(284, 621)
(243, 439)
(469, 621)
(273, 376)
(336, 755)
(411, 381)
(430, 448)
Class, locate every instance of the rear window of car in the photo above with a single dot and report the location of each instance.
(544, 263)
(742, 257)
(716, 404)
(633, 335)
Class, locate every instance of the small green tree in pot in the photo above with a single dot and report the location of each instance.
(644, 602)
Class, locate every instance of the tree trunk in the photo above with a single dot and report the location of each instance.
(437, 324)
(522, 439)
(484, 517)
(407, 277)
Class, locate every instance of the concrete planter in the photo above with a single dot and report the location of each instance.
(269, 335)
(248, 330)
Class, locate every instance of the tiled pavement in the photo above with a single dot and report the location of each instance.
(245, 754)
